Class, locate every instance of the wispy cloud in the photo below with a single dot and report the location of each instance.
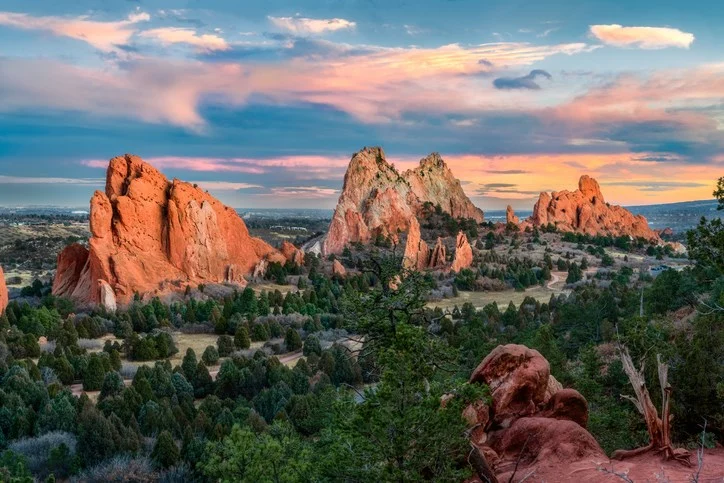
(104, 36)
(311, 26)
(50, 180)
(642, 37)
(175, 35)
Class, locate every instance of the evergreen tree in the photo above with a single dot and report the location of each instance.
(165, 452)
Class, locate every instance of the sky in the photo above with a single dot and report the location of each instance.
(264, 103)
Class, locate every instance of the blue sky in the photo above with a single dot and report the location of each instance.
(263, 103)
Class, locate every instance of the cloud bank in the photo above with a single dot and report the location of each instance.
(642, 37)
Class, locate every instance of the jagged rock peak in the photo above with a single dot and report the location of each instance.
(150, 235)
(377, 200)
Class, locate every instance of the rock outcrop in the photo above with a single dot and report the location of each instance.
(3, 292)
(438, 258)
(586, 211)
(530, 413)
(377, 200)
(292, 253)
(534, 429)
(463, 253)
(510, 216)
(417, 253)
(338, 269)
(150, 235)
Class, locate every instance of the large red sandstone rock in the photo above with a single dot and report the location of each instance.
(149, 236)
(463, 253)
(417, 253)
(292, 253)
(3, 292)
(586, 211)
(377, 200)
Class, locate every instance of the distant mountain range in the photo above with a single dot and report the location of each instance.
(677, 216)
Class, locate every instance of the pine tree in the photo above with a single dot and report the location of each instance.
(292, 340)
(241, 338)
(165, 452)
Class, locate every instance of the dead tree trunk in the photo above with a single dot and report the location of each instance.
(659, 428)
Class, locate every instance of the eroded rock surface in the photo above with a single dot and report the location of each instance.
(150, 235)
(417, 253)
(292, 253)
(377, 200)
(586, 211)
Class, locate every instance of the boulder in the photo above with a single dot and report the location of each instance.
(586, 211)
(535, 442)
(510, 216)
(567, 404)
(518, 380)
(3, 292)
(377, 200)
(338, 269)
(463, 253)
(150, 235)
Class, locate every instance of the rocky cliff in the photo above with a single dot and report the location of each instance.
(510, 216)
(586, 211)
(3, 292)
(150, 235)
(377, 200)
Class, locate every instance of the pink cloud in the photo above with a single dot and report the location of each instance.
(175, 35)
(396, 80)
(105, 36)
(642, 37)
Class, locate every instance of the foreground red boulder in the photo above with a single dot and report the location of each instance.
(586, 211)
(150, 235)
(3, 292)
(534, 430)
(377, 200)
(518, 379)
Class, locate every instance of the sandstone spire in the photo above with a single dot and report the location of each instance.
(3, 292)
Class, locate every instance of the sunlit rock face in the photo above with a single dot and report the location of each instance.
(150, 235)
(586, 211)
(377, 200)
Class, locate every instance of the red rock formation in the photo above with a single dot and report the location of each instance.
(438, 259)
(518, 380)
(69, 268)
(377, 200)
(292, 253)
(586, 211)
(433, 181)
(463, 253)
(510, 216)
(417, 253)
(149, 236)
(3, 292)
(338, 269)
